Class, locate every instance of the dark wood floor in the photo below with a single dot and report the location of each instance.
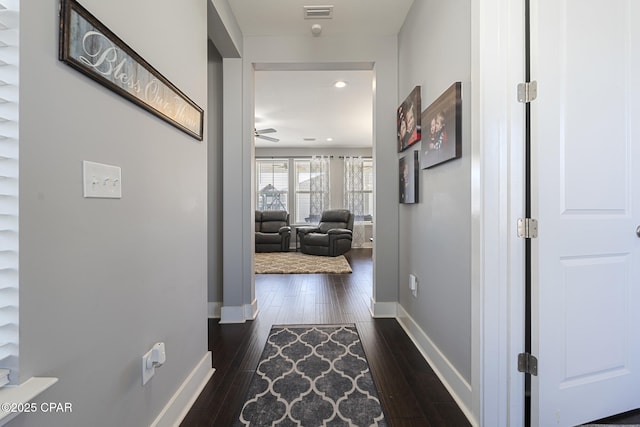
(631, 417)
(410, 392)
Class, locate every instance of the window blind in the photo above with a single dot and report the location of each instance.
(272, 184)
(9, 79)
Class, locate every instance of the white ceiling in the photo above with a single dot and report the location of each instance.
(304, 104)
(285, 17)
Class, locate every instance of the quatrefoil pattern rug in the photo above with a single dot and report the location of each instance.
(314, 375)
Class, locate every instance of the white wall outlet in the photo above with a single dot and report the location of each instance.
(4, 377)
(101, 181)
(413, 284)
(147, 371)
(151, 360)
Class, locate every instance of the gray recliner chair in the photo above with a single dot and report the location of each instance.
(331, 237)
(273, 232)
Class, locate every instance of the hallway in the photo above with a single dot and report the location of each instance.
(411, 393)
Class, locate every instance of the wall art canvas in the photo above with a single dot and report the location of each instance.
(408, 118)
(409, 168)
(91, 48)
(442, 120)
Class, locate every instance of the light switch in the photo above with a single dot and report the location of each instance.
(101, 181)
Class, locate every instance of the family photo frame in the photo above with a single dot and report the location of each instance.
(409, 128)
(409, 171)
(442, 121)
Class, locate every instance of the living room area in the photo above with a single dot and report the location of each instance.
(312, 158)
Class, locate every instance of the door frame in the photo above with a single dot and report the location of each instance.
(274, 66)
(498, 263)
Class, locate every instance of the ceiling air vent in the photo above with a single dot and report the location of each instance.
(318, 12)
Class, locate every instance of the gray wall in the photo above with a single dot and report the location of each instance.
(102, 280)
(435, 234)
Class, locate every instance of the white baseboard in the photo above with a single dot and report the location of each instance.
(182, 400)
(239, 313)
(383, 309)
(457, 386)
(214, 309)
(251, 310)
(232, 314)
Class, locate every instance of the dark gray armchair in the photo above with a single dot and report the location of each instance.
(331, 237)
(273, 233)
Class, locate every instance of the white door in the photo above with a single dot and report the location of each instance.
(586, 196)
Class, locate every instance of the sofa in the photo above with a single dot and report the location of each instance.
(273, 232)
(331, 237)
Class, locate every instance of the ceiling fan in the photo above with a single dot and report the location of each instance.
(259, 133)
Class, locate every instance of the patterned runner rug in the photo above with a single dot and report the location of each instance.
(312, 376)
(296, 262)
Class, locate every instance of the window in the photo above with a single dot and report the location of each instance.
(299, 186)
(272, 186)
(367, 190)
(312, 190)
(9, 91)
(302, 191)
(358, 187)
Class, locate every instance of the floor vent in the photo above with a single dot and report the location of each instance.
(318, 12)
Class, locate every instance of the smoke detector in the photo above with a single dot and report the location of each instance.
(318, 12)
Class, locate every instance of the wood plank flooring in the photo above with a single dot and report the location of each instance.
(628, 418)
(410, 392)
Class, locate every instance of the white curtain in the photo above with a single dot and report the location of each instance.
(319, 187)
(354, 196)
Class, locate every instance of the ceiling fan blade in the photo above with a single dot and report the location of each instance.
(268, 130)
(268, 138)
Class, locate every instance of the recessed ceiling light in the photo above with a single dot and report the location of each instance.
(329, 139)
(340, 84)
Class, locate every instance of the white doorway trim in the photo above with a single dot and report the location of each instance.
(497, 202)
(376, 309)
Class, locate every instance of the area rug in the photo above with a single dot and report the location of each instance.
(299, 263)
(312, 375)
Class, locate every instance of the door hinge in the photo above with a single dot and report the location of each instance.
(528, 91)
(527, 228)
(528, 364)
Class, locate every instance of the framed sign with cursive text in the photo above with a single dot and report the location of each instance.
(91, 48)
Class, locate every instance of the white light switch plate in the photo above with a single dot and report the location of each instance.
(101, 181)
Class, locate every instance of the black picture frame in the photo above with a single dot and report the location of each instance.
(442, 122)
(91, 48)
(409, 168)
(408, 116)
